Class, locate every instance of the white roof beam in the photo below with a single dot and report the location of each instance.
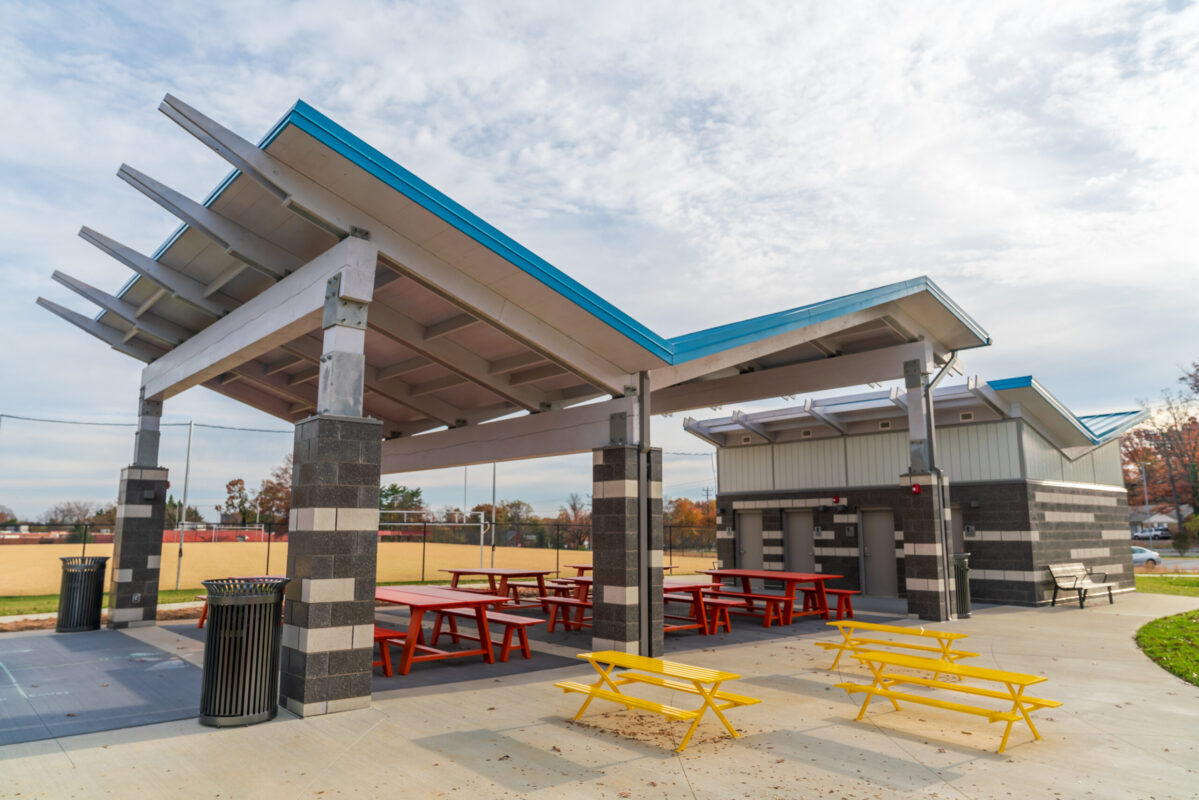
(743, 421)
(168, 333)
(448, 326)
(824, 347)
(437, 384)
(276, 316)
(827, 417)
(285, 363)
(700, 430)
(410, 333)
(513, 363)
(811, 376)
(149, 302)
(898, 399)
(306, 375)
(989, 397)
(184, 287)
(323, 207)
(242, 244)
(402, 367)
(535, 374)
(105, 333)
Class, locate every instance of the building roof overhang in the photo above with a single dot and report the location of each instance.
(466, 326)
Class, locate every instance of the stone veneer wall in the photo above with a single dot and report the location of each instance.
(137, 548)
(1020, 527)
(329, 616)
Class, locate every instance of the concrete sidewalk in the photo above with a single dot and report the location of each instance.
(1126, 729)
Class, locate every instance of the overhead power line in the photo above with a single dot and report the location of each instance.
(134, 424)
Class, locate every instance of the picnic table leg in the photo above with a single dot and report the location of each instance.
(203, 615)
(821, 599)
(603, 678)
(877, 671)
(847, 636)
(1017, 706)
(414, 633)
(484, 634)
(541, 593)
(789, 603)
(707, 696)
(697, 610)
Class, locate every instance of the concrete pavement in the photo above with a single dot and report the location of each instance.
(1126, 729)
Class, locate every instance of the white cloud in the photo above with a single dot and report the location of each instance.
(693, 163)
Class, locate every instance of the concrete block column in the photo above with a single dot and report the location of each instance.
(141, 516)
(328, 622)
(622, 582)
(923, 549)
(137, 547)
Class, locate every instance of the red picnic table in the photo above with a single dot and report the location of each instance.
(787, 600)
(692, 585)
(420, 599)
(504, 574)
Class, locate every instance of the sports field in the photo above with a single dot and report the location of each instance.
(33, 569)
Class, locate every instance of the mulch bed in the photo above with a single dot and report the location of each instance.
(48, 624)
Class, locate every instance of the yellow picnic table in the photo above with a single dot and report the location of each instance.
(671, 675)
(1013, 685)
(858, 636)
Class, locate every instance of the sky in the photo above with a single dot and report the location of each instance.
(693, 163)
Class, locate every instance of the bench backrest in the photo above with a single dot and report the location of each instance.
(1067, 573)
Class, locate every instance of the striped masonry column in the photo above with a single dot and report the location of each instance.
(924, 562)
(618, 589)
(141, 517)
(328, 622)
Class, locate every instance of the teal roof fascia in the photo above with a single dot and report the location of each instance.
(673, 351)
(1089, 426)
(713, 340)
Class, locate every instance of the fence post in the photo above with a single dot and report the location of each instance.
(424, 545)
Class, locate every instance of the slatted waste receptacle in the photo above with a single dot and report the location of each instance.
(240, 685)
(81, 595)
(961, 577)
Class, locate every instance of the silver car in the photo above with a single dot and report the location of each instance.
(1144, 557)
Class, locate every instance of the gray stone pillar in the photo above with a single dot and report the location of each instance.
(329, 617)
(328, 622)
(622, 581)
(141, 516)
(923, 549)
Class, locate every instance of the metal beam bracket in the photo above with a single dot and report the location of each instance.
(618, 425)
(339, 310)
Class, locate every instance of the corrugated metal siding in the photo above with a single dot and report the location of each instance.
(1042, 460)
(810, 465)
(1109, 470)
(983, 452)
(1080, 470)
(878, 459)
(745, 469)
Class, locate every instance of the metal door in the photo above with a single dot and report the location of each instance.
(959, 536)
(799, 542)
(878, 553)
(749, 542)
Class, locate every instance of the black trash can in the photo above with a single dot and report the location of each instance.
(82, 593)
(241, 652)
(961, 577)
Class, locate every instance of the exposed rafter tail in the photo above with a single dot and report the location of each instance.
(105, 333)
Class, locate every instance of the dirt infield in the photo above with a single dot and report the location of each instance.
(35, 569)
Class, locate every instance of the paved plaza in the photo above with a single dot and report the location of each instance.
(1126, 729)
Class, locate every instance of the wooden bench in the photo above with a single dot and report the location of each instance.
(772, 604)
(669, 675)
(1074, 577)
(1013, 683)
(385, 638)
(568, 603)
(853, 640)
(512, 623)
(844, 600)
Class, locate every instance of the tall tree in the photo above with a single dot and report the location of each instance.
(400, 498)
(574, 521)
(273, 500)
(237, 502)
(7, 516)
(73, 512)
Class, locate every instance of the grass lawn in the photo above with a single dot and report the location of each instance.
(1161, 584)
(1173, 644)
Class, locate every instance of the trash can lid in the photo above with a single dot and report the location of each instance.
(83, 561)
(245, 587)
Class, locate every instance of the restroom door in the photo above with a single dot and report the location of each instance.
(878, 552)
(959, 536)
(749, 543)
(800, 542)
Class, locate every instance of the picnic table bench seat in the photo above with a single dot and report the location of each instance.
(923, 639)
(1074, 577)
(844, 600)
(1014, 683)
(773, 603)
(670, 675)
(513, 623)
(385, 638)
(716, 608)
(566, 604)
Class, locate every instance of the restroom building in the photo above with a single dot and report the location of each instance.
(817, 487)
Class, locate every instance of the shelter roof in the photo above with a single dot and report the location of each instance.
(969, 403)
(466, 325)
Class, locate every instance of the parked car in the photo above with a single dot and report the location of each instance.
(1144, 557)
(1159, 532)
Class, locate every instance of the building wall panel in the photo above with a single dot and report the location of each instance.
(745, 469)
(1108, 469)
(878, 459)
(983, 452)
(1042, 460)
(809, 465)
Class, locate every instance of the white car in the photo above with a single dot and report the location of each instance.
(1144, 557)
